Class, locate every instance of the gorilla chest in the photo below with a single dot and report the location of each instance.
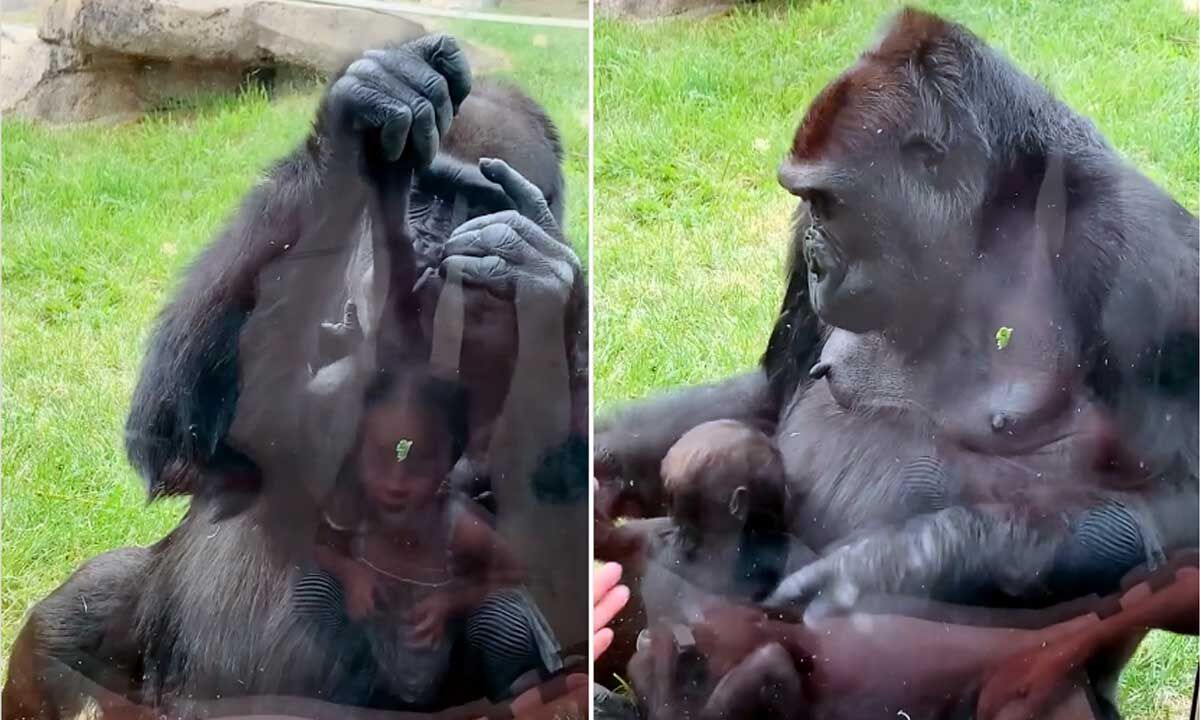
(879, 439)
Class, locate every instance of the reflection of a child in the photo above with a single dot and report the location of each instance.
(412, 557)
(414, 566)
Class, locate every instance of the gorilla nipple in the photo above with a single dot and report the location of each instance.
(999, 422)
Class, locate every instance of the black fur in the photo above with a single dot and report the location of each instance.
(209, 611)
(938, 155)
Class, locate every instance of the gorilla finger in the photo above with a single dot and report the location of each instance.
(445, 55)
(530, 236)
(490, 272)
(361, 105)
(425, 136)
(494, 239)
(381, 88)
(422, 79)
(448, 176)
(818, 611)
(528, 197)
(375, 100)
(795, 588)
(509, 218)
(394, 135)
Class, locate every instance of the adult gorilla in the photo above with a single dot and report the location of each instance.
(251, 394)
(945, 196)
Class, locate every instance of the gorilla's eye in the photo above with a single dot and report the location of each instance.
(924, 152)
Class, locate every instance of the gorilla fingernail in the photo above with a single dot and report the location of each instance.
(819, 370)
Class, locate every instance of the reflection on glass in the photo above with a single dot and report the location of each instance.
(372, 388)
(961, 480)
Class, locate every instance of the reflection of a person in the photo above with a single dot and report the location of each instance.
(607, 600)
(412, 564)
(412, 557)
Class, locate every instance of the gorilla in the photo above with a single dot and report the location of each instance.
(251, 391)
(983, 376)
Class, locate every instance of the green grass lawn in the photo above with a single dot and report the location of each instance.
(98, 224)
(693, 117)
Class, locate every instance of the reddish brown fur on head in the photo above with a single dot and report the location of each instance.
(872, 94)
(705, 466)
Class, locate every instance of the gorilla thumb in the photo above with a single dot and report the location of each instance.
(527, 197)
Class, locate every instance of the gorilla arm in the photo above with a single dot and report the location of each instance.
(296, 228)
(519, 255)
(631, 442)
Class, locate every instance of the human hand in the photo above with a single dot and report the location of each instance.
(607, 600)
(430, 617)
(361, 591)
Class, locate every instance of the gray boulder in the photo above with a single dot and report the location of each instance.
(232, 32)
(652, 9)
(111, 60)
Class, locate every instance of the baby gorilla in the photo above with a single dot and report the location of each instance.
(726, 533)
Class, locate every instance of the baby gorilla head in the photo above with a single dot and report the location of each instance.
(725, 476)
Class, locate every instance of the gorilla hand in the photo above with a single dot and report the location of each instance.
(838, 580)
(940, 556)
(515, 252)
(394, 106)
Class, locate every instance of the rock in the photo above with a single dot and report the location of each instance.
(322, 37)
(243, 33)
(59, 84)
(114, 59)
(649, 9)
(39, 80)
(24, 59)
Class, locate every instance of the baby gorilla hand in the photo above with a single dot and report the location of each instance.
(394, 106)
(515, 251)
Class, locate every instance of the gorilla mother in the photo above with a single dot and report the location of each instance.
(983, 377)
(250, 392)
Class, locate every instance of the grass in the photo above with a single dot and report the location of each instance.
(99, 223)
(693, 117)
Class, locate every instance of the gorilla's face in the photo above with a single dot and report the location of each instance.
(886, 225)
